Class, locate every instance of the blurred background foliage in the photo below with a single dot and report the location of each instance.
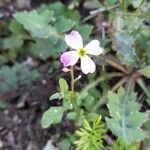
(32, 35)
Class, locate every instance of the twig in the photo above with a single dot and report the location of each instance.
(97, 11)
(117, 66)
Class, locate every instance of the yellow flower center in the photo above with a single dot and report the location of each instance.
(81, 52)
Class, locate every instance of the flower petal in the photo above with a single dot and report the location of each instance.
(74, 40)
(87, 65)
(93, 48)
(69, 58)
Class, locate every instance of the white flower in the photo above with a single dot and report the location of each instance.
(70, 58)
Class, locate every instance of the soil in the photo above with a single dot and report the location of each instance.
(20, 122)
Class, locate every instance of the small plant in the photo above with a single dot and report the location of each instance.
(90, 136)
(106, 78)
(126, 119)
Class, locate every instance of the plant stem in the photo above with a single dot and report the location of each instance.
(117, 66)
(72, 83)
(93, 84)
(102, 100)
(97, 11)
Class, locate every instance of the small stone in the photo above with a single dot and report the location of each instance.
(1, 144)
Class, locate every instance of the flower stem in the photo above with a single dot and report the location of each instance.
(72, 83)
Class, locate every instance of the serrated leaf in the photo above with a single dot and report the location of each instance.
(123, 44)
(145, 71)
(37, 24)
(57, 7)
(63, 24)
(52, 116)
(63, 85)
(126, 119)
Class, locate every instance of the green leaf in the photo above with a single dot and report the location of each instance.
(14, 77)
(63, 24)
(137, 3)
(15, 27)
(43, 48)
(57, 7)
(13, 41)
(61, 10)
(8, 79)
(37, 24)
(123, 44)
(145, 71)
(52, 116)
(3, 59)
(110, 2)
(90, 136)
(3, 104)
(88, 102)
(55, 96)
(72, 115)
(72, 14)
(91, 116)
(119, 145)
(63, 85)
(126, 119)
(65, 144)
(85, 31)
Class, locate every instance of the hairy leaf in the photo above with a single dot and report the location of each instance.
(37, 24)
(126, 119)
(123, 44)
